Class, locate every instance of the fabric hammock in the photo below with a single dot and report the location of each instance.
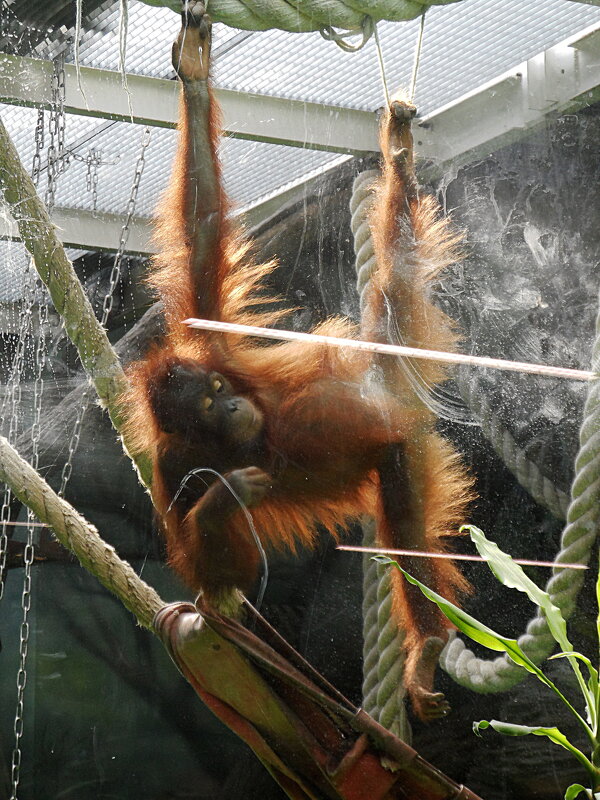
(312, 740)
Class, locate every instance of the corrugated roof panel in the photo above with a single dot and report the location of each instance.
(466, 44)
(251, 170)
(150, 32)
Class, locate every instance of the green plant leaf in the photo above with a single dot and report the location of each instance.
(383, 560)
(598, 601)
(484, 635)
(470, 626)
(512, 575)
(593, 681)
(511, 729)
(593, 684)
(574, 790)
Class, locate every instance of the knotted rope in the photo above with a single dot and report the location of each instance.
(514, 457)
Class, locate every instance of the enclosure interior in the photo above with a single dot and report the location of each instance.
(508, 141)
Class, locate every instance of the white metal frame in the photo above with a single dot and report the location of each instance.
(562, 78)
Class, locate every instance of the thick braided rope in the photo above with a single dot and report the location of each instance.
(360, 204)
(583, 517)
(526, 471)
(307, 15)
(579, 535)
(383, 654)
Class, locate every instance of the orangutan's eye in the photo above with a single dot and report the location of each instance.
(218, 385)
(207, 403)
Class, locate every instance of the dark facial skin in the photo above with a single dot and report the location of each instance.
(194, 402)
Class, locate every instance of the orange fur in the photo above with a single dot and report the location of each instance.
(327, 433)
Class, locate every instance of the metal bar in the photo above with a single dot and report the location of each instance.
(386, 551)
(562, 78)
(154, 101)
(394, 350)
(91, 231)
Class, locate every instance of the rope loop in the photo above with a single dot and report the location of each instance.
(340, 37)
(577, 541)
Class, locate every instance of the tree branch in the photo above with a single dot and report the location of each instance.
(78, 536)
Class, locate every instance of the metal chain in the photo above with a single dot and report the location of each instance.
(14, 395)
(4, 539)
(28, 553)
(59, 66)
(93, 161)
(39, 368)
(22, 673)
(51, 152)
(57, 157)
(36, 166)
(115, 276)
(115, 273)
(15, 401)
(4, 22)
(73, 443)
(56, 163)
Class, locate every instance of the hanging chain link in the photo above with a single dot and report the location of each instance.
(22, 673)
(57, 157)
(115, 272)
(28, 553)
(3, 539)
(57, 160)
(73, 443)
(55, 165)
(115, 276)
(15, 401)
(56, 150)
(36, 166)
(39, 369)
(14, 395)
(59, 66)
(93, 161)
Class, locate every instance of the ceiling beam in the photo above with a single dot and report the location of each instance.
(91, 230)
(154, 101)
(101, 231)
(562, 79)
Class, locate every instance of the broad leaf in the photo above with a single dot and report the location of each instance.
(510, 729)
(598, 600)
(593, 680)
(512, 575)
(470, 626)
(484, 635)
(574, 790)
